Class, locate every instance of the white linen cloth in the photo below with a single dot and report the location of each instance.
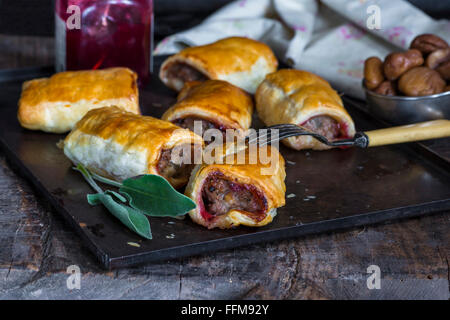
(330, 38)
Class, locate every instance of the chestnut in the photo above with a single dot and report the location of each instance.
(386, 88)
(427, 43)
(437, 57)
(421, 81)
(373, 72)
(398, 63)
(444, 70)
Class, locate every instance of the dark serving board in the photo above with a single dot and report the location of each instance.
(326, 190)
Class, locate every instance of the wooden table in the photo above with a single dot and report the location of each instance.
(37, 247)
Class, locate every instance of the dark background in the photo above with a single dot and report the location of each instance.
(37, 246)
(35, 17)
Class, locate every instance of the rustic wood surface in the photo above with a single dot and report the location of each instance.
(37, 247)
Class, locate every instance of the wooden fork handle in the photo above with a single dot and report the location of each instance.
(409, 133)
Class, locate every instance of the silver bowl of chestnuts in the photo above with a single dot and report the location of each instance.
(411, 86)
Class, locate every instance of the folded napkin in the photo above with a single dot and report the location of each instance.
(331, 38)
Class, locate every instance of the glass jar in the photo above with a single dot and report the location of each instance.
(93, 34)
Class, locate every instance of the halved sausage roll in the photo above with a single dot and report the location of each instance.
(119, 145)
(231, 193)
(215, 104)
(305, 99)
(55, 104)
(241, 61)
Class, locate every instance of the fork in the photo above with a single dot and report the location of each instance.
(409, 133)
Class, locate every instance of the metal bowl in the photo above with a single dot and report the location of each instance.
(401, 110)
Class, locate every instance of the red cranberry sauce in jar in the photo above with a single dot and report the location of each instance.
(93, 34)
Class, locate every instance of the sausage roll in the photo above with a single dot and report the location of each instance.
(305, 99)
(55, 104)
(230, 194)
(240, 61)
(119, 145)
(215, 103)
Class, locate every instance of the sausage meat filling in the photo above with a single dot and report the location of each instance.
(189, 123)
(325, 126)
(173, 171)
(185, 72)
(221, 195)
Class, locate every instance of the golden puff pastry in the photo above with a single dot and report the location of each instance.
(230, 194)
(55, 104)
(241, 61)
(305, 99)
(215, 104)
(119, 145)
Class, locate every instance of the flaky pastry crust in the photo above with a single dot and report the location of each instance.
(241, 61)
(213, 100)
(267, 175)
(295, 96)
(119, 144)
(55, 104)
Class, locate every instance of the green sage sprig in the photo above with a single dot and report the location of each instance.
(139, 196)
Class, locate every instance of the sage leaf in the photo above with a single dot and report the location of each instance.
(147, 194)
(155, 196)
(133, 219)
(88, 177)
(152, 194)
(117, 195)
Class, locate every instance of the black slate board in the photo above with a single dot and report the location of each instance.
(346, 188)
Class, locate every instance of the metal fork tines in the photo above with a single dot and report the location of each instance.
(283, 131)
